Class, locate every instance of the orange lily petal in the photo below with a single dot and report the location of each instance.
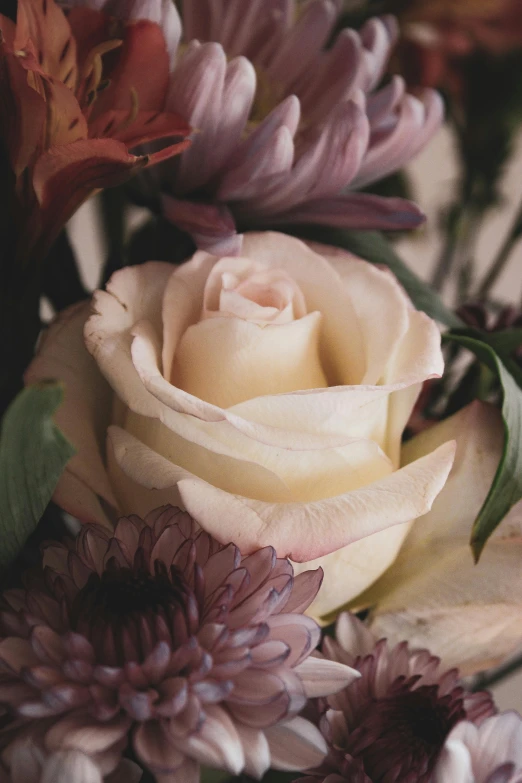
(44, 23)
(145, 126)
(22, 112)
(128, 68)
(64, 177)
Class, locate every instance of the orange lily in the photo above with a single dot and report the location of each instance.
(77, 93)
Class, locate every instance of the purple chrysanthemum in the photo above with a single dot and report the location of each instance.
(29, 764)
(287, 125)
(390, 725)
(159, 636)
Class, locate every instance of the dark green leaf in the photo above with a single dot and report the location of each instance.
(33, 454)
(372, 246)
(506, 489)
(504, 343)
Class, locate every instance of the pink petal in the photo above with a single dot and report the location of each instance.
(212, 226)
(362, 211)
(296, 745)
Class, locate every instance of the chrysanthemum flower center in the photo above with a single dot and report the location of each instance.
(123, 592)
(408, 730)
(119, 611)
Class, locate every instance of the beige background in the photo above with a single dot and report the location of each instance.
(433, 175)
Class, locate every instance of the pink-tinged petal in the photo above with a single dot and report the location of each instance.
(322, 677)
(362, 211)
(154, 747)
(286, 114)
(304, 531)
(378, 35)
(354, 636)
(238, 96)
(79, 732)
(306, 586)
(335, 79)
(196, 93)
(384, 102)
(211, 225)
(304, 41)
(78, 499)
(490, 752)
(217, 743)
(256, 749)
(71, 765)
(454, 764)
(295, 745)
(243, 27)
(84, 415)
(132, 295)
(301, 531)
(247, 180)
(327, 162)
(417, 121)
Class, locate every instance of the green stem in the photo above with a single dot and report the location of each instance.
(503, 256)
(447, 257)
(490, 678)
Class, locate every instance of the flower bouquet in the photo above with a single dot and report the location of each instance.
(261, 490)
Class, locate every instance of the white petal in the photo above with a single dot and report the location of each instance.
(322, 677)
(296, 745)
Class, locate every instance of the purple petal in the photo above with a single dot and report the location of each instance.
(362, 211)
(304, 42)
(211, 226)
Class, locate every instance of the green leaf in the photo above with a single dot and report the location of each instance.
(33, 454)
(504, 343)
(374, 247)
(506, 489)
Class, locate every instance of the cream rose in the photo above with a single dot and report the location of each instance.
(266, 394)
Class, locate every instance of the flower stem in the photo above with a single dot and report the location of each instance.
(503, 256)
(494, 676)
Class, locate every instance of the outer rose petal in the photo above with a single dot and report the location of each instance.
(83, 417)
(301, 531)
(434, 595)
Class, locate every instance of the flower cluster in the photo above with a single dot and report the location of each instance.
(253, 453)
(160, 635)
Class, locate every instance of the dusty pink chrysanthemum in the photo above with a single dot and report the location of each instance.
(159, 636)
(489, 753)
(390, 725)
(287, 126)
(28, 764)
